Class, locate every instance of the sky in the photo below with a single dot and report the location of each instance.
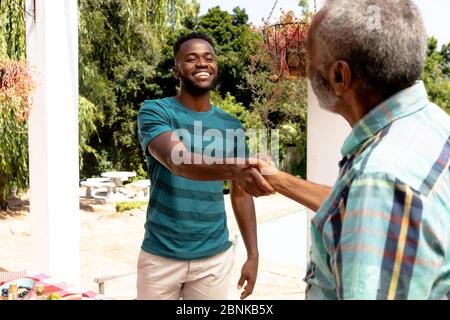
(435, 12)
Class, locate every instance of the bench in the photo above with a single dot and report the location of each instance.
(92, 184)
(101, 280)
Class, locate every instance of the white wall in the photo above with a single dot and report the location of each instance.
(326, 134)
(52, 48)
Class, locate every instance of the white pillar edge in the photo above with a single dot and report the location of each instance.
(52, 50)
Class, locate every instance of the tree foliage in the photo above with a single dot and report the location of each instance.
(16, 87)
(12, 29)
(436, 74)
(235, 42)
(249, 119)
(120, 49)
(89, 119)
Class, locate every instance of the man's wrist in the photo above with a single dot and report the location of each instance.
(253, 255)
(236, 171)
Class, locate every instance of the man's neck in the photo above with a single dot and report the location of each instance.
(198, 103)
(359, 105)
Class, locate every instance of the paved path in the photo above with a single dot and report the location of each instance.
(110, 244)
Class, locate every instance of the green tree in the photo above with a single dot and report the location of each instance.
(249, 120)
(13, 154)
(12, 29)
(89, 120)
(120, 49)
(16, 87)
(280, 100)
(281, 104)
(14, 93)
(235, 42)
(436, 74)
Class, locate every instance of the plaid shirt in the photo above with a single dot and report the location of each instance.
(384, 232)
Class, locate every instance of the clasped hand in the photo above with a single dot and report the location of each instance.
(251, 178)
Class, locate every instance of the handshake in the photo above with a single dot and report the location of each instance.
(257, 176)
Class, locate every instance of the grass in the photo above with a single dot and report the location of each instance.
(125, 206)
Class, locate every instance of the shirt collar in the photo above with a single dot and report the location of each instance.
(403, 103)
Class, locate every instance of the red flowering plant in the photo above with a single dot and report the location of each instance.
(284, 42)
(16, 88)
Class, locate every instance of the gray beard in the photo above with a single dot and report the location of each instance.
(321, 87)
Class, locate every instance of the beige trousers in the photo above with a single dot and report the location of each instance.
(160, 278)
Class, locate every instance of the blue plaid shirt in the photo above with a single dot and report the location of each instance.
(384, 231)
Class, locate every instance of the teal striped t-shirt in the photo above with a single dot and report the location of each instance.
(186, 219)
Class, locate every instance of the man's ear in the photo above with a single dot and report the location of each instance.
(340, 77)
(176, 72)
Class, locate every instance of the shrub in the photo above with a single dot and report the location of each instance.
(125, 206)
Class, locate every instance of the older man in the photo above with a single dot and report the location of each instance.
(383, 230)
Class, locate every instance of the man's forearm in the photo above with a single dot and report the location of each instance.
(171, 153)
(205, 169)
(174, 156)
(244, 211)
(307, 193)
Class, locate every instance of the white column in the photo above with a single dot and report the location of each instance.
(326, 134)
(52, 48)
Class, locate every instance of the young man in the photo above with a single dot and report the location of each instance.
(383, 230)
(186, 252)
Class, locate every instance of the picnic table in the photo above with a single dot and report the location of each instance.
(110, 181)
(52, 285)
(141, 186)
(96, 183)
(118, 176)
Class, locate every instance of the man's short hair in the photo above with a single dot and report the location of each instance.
(193, 35)
(383, 41)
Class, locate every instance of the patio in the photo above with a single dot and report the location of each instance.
(110, 243)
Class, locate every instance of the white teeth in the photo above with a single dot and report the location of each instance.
(202, 74)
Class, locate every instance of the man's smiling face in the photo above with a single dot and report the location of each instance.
(196, 67)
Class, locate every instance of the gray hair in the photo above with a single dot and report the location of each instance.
(383, 41)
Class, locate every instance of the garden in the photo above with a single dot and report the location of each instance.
(122, 63)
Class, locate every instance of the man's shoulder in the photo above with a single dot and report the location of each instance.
(161, 103)
(156, 107)
(437, 117)
(411, 148)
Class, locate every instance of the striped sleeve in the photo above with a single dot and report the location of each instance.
(382, 242)
(152, 121)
